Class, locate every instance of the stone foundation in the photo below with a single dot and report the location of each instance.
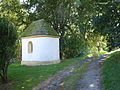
(34, 63)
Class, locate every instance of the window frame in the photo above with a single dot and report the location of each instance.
(30, 47)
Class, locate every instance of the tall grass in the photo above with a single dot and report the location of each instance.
(111, 72)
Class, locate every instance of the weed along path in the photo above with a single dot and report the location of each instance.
(83, 75)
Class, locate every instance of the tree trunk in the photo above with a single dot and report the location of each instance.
(3, 73)
(4, 77)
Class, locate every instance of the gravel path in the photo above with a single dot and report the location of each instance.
(92, 77)
(53, 82)
(89, 81)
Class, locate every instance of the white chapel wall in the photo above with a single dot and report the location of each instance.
(44, 49)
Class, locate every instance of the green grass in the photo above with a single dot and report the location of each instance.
(111, 72)
(26, 77)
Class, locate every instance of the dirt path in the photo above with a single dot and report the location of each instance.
(53, 82)
(92, 77)
(90, 81)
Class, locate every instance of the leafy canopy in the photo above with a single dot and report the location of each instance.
(107, 23)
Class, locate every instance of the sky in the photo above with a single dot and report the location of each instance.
(21, 1)
(32, 8)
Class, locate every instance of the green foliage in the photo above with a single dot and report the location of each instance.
(56, 12)
(83, 20)
(8, 36)
(72, 46)
(69, 18)
(14, 11)
(96, 42)
(111, 72)
(107, 23)
(61, 15)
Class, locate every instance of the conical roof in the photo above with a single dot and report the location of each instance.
(39, 27)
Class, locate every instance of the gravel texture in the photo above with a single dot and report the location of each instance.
(53, 82)
(91, 79)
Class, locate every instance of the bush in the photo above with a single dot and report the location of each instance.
(72, 46)
(8, 36)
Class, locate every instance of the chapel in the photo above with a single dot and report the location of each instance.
(40, 44)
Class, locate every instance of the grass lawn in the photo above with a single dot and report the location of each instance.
(111, 72)
(27, 77)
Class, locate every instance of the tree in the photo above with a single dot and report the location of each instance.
(70, 18)
(56, 12)
(15, 12)
(18, 15)
(59, 13)
(107, 23)
(8, 36)
(86, 10)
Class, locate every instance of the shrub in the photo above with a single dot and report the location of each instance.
(8, 36)
(72, 46)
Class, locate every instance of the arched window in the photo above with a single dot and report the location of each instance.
(30, 47)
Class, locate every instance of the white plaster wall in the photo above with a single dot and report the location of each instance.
(44, 49)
